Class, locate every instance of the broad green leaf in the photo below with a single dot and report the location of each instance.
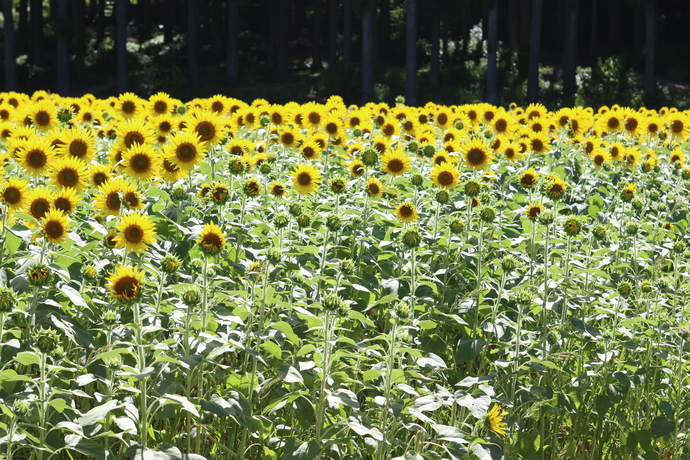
(662, 426)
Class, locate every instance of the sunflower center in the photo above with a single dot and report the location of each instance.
(677, 126)
(388, 130)
(54, 229)
(206, 131)
(304, 179)
(374, 188)
(276, 118)
(395, 165)
(36, 158)
(12, 195)
(68, 177)
(278, 190)
(131, 138)
(129, 107)
(631, 124)
(442, 119)
(126, 288)
(134, 234)
(42, 119)
(308, 152)
(99, 179)
(556, 189)
(614, 152)
(406, 210)
(501, 125)
(314, 118)
(599, 160)
(4, 114)
(141, 163)
(186, 152)
(160, 107)
(212, 240)
(288, 138)
(613, 123)
(169, 167)
(358, 170)
(77, 148)
(537, 145)
(217, 106)
(446, 178)
(509, 153)
(534, 212)
(476, 157)
(165, 126)
(332, 128)
(527, 180)
(132, 199)
(63, 204)
(39, 208)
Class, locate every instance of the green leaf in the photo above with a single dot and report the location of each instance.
(182, 401)
(97, 413)
(602, 404)
(305, 451)
(467, 349)
(364, 429)
(27, 358)
(371, 374)
(11, 243)
(286, 329)
(235, 406)
(58, 404)
(85, 446)
(662, 426)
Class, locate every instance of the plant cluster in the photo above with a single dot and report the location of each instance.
(221, 279)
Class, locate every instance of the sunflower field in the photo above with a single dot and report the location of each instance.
(217, 279)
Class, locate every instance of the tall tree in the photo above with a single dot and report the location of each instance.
(570, 48)
(62, 47)
(22, 36)
(368, 16)
(232, 61)
(193, 43)
(332, 33)
(10, 51)
(650, 45)
(411, 54)
(492, 43)
(121, 45)
(534, 52)
(347, 32)
(78, 18)
(434, 64)
(36, 27)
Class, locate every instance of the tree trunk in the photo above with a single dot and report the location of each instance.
(534, 51)
(62, 47)
(332, 34)
(232, 63)
(384, 31)
(492, 45)
(614, 26)
(36, 25)
(411, 54)
(524, 37)
(146, 23)
(22, 36)
(513, 25)
(283, 39)
(347, 32)
(316, 35)
(434, 64)
(570, 48)
(193, 43)
(121, 45)
(216, 29)
(650, 45)
(78, 18)
(10, 51)
(368, 17)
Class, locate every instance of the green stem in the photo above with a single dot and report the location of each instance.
(413, 282)
(321, 405)
(387, 387)
(143, 409)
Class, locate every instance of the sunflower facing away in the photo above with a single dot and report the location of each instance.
(212, 238)
(55, 225)
(305, 178)
(124, 283)
(135, 232)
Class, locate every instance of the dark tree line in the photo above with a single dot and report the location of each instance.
(69, 45)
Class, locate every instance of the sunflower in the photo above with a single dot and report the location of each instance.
(495, 420)
(539, 143)
(406, 212)
(600, 156)
(632, 122)
(389, 129)
(252, 187)
(503, 124)
(55, 225)
(170, 173)
(129, 105)
(312, 115)
(554, 187)
(99, 174)
(141, 161)
(534, 209)
(134, 131)
(160, 104)
(628, 192)
(374, 187)
(528, 178)
(212, 239)
(124, 283)
(78, 143)
(651, 126)
(135, 232)
(677, 156)
(611, 122)
(36, 155)
(445, 175)
(333, 126)
(310, 150)
(278, 114)
(535, 110)
(356, 168)
(208, 125)
(277, 189)
(69, 172)
(305, 178)
(476, 153)
(395, 162)
(631, 157)
(512, 151)
(290, 137)
(240, 147)
(442, 117)
(66, 200)
(185, 150)
(43, 115)
(678, 125)
(39, 201)
(15, 192)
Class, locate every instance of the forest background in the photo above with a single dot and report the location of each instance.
(566, 52)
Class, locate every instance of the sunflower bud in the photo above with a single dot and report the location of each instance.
(679, 247)
(264, 120)
(369, 157)
(442, 197)
(281, 220)
(113, 363)
(524, 298)
(8, 299)
(191, 297)
(411, 237)
(332, 302)
(472, 188)
(170, 264)
(637, 203)
(487, 214)
(631, 228)
(417, 180)
(236, 166)
(265, 168)
(457, 226)
(334, 222)
(573, 225)
(509, 263)
(110, 318)
(274, 255)
(338, 185)
(46, 340)
(646, 287)
(356, 132)
(22, 408)
(413, 146)
(39, 275)
(625, 288)
(303, 220)
(347, 266)
(295, 209)
(178, 193)
(600, 232)
(429, 151)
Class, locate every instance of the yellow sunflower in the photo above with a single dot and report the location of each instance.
(160, 104)
(39, 201)
(310, 150)
(69, 172)
(511, 151)
(135, 232)
(332, 125)
(108, 200)
(99, 174)
(374, 187)
(539, 143)
(55, 225)
(445, 175)
(124, 283)
(66, 200)
(277, 189)
(356, 168)
(212, 239)
(141, 161)
(134, 131)
(406, 212)
(495, 420)
(305, 178)
(312, 115)
(185, 150)
(395, 162)
(15, 192)
(678, 125)
(476, 153)
(554, 187)
(208, 125)
(43, 115)
(528, 178)
(600, 157)
(129, 105)
(79, 143)
(35, 155)
(534, 209)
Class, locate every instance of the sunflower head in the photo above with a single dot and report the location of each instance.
(305, 178)
(125, 283)
(55, 226)
(406, 212)
(554, 187)
(135, 232)
(477, 154)
(445, 175)
(534, 210)
(495, 420)
(212, 239)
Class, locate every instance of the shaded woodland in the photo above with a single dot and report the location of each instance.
(557, 52)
